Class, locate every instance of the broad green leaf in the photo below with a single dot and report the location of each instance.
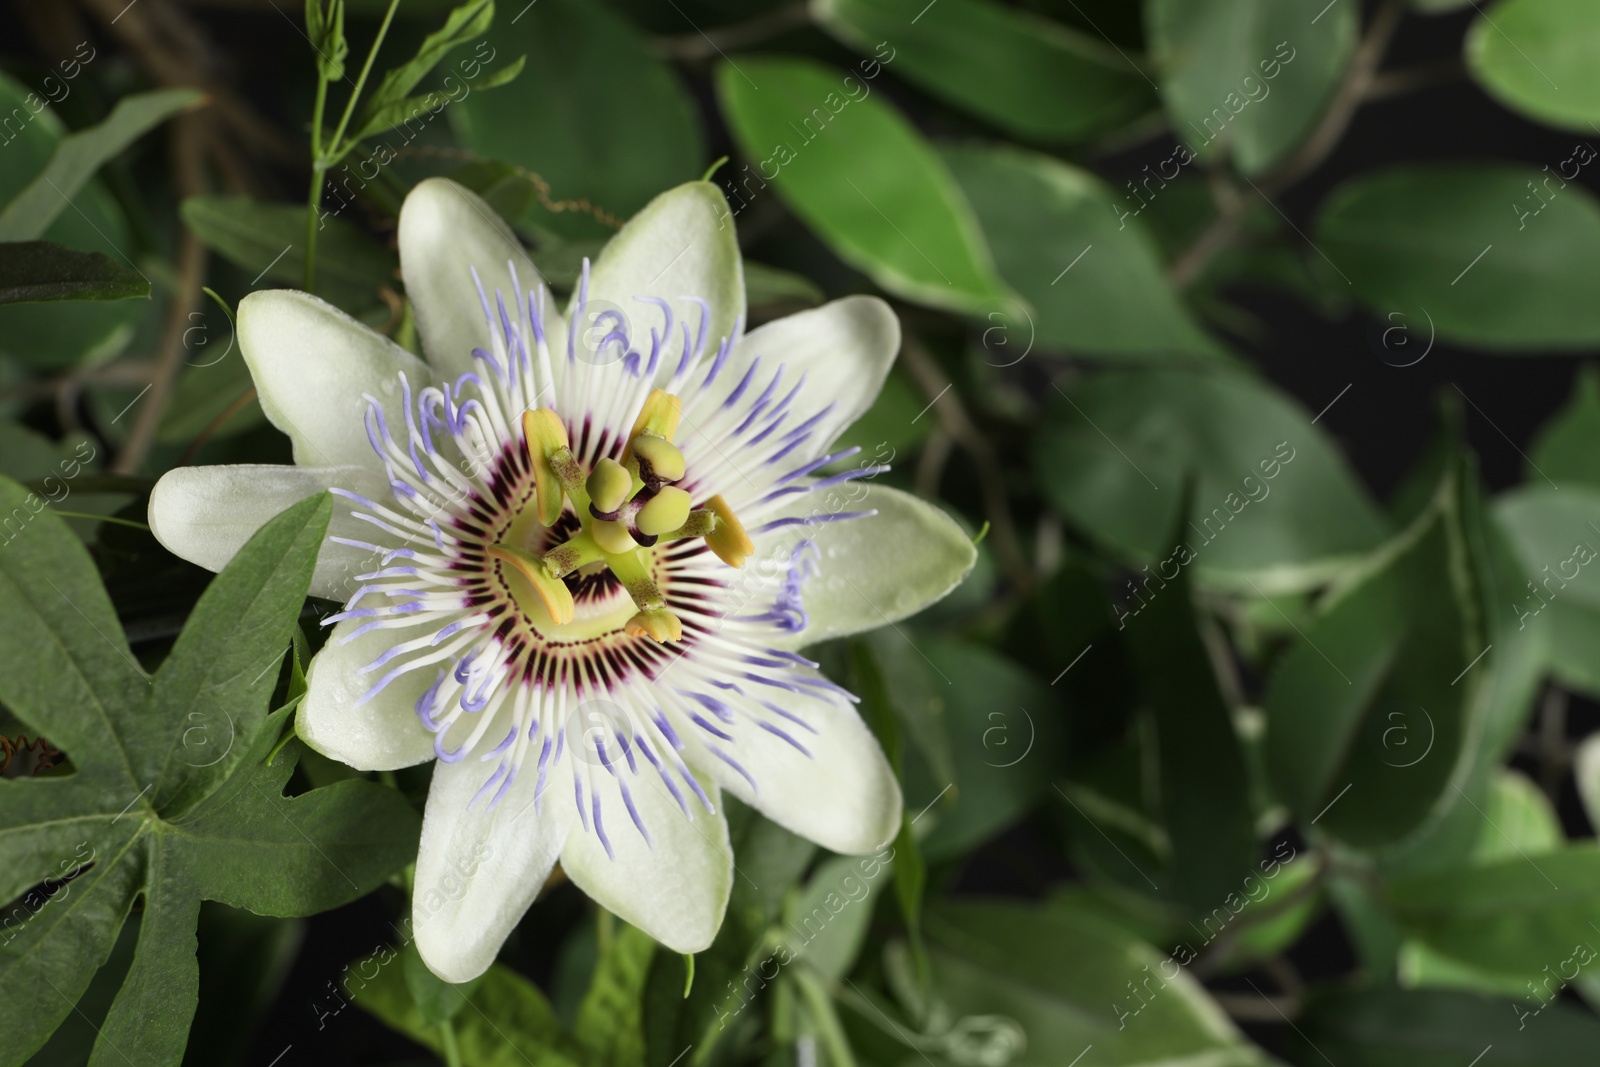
(1536, 57)
(1203, 784)
(1004, 730)
(28, 214)
(1006, 960)
(1034, 78)
(1249, 76)
(1389, 1028)
(1368, 712)
(861, 176)
(1274, 503)
(32, 271)
(609, 1025)
(1492, 255)
(1516, 915)
(739, 964)
(65, 669)
(56, 336)
(826, 922)
(511, 1024)
(466, 21)
(595, 115)
(1567, 448)
(1094, 279)
(1555, 534)
(269, 239)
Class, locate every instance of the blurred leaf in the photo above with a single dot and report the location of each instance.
(872, 190)
(1586, 776)
(1004, 961)
(53, 335)
(1554, 534)
(1365, 719)
(1516, 916)
(1390, 1028)
(77, 156)
(826, 922)
(153, 808)
(40, 270)
(436, 1000)
(594, 114)
(1095, 282)
(1467, 248)
(891, 426)
(208, 387)
(1535, 56)
(268, 239)
(1115, 457)
(1031, 77)
(1567, 448)
(610, 1022)
(1222, 60)
(1203, 785)
(511, 1025)
(770, 860)
(1004, 735)
(244, 960)
(769, 285)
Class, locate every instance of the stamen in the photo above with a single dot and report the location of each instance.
(545, 434)
(553, 592)
(728, 540)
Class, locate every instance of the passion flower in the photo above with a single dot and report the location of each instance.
(577, 555)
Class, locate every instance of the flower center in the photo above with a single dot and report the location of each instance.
(624, 509)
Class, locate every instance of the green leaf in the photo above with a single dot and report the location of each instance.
(1567, 448)
(826, 922)
(268, 239)
(1390, 1028)
(1536, 57)
(609, 1025)
(1555, 535)
(465, 22)
(1493, 255)
(861, 176)
(1221, 61)
(403, 112)
(1368, 711)
(29, 214)
(66, 670)
(594, 114)
(325, 31)
(1092, 275)
(56, 336)
(1516, 915)
(1273, 504)
(511, 1024)
(1203, 784)
(32, 271)
(1030, 76)
(769, 285)
(1005, 960)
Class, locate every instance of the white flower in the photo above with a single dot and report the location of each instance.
(587, 704)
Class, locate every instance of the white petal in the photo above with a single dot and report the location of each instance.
(206, 514)
(477, 869)
(673, 887)
(843, 349)
(843, 796)
(382, 734)
(446, 231)
(312, 363)
(873, 570)
(680, 245)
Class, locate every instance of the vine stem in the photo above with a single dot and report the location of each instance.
(1353, 91)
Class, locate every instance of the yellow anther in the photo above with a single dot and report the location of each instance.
(613, 537)
(659, 416)
(728, 539)
(545, 435)
(553, 592)
(609, 487)
(659, 457)
(665, 512)
(658, 624)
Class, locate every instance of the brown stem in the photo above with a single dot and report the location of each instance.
(1353, 91)
(991, 477)
(187, 148)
